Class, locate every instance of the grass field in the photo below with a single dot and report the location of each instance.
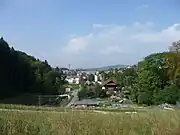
(74, 86)
(61, 109)
(157, 122)
(35, 108)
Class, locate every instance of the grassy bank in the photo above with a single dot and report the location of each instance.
(88, 123)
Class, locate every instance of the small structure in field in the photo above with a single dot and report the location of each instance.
(87, 103)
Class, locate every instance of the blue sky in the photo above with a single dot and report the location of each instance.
(90, 33)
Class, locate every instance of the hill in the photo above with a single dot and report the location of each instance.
(114, 67)
(22, 73)
(105, 68)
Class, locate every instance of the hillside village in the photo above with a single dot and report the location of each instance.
(89, 67)
(90, 80)
(106, 88)
(152, 81)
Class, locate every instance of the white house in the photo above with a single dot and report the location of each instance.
(95, 78)
(73, 80)
(99, 82)
(70, 80)
(76, 80)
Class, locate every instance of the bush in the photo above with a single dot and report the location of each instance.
(170, 94)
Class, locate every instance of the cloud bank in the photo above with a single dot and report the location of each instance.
(115, 44)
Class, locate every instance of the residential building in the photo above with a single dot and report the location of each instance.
(64, 70)
(110, 84)
(95, 78)
(70, 80)
(67, 88)
(76, 80)
(73, 80)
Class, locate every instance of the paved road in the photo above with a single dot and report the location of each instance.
(74, 99)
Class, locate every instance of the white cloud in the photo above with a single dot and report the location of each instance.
(116, 44)
(167, 35)
(76, 45)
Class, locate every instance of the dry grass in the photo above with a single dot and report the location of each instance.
(89, 123)
(35, 108)
(62, 109)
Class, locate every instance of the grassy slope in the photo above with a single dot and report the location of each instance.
(89, 123)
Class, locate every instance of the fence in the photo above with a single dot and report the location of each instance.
(52, 100)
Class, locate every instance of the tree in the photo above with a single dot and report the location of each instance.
(83, 92)
(91, 77)
(170, 94)
(22, 73)
(152, 77)
(173, 67)
(97, 90)
(82, 79)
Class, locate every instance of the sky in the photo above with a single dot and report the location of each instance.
(90, 33)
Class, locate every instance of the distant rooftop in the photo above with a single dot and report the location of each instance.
(87, 102)
(64, 69)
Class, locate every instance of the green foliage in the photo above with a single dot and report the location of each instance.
(94, 91)
(156, 73)
(170, 94)
(74, 86)
(91, 77)
(21, 73)
(83, 93)
(154, 80)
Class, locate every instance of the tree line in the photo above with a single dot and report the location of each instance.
(154, 80)
(22, 73)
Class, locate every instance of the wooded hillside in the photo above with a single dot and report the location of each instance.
(22, 73)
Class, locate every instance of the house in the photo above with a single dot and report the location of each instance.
(95, 78)
(87, 82)
(70, 80)
(67, 88)
(99, 82)
(64, 70)
(76, 80)
(110, 84)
